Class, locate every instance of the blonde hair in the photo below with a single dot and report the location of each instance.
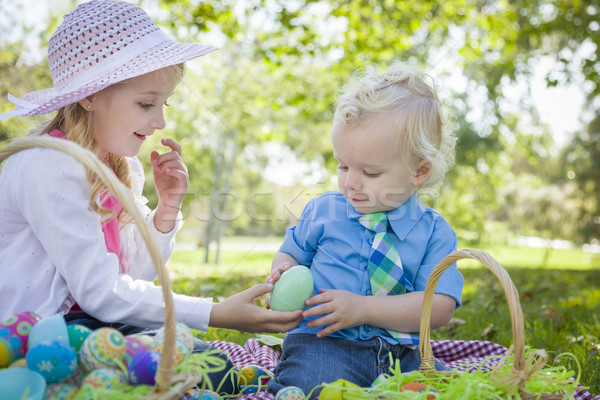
(406, 96)
(74, 122)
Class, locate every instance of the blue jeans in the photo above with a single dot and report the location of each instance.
(308, 361)
(229, 385)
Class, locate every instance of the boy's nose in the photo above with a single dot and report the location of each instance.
(352, 182)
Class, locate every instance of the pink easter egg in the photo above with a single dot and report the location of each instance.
(19, 325)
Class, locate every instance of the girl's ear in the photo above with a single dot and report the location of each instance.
(423, 173)
(86, 103)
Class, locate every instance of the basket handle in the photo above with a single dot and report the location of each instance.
(518, 330)
(164, 373)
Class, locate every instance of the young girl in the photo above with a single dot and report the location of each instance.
(372, 245)
(65, 242)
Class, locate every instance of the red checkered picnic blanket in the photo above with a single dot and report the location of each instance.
(462, 355)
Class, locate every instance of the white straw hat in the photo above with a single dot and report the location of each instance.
(100, 43)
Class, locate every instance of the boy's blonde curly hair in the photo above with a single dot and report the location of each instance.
(416, 109)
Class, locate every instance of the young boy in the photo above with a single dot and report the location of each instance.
(372, 245)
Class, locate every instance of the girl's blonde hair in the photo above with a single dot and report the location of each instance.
(74, 122)
(413, 104)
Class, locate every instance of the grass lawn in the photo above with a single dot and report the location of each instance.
(560, 300)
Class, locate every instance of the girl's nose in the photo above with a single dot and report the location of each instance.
(158, 120)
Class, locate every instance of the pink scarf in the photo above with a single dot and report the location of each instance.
(110, 227)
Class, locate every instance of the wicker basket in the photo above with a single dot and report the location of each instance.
(168, 385)
(522, 369)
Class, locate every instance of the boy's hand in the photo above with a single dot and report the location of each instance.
(275, 275)
(342, 309)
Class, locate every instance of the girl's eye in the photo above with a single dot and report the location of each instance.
(342, 168)
(167, 104)
(146, 106)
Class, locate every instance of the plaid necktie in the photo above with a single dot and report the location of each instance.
(385, 267)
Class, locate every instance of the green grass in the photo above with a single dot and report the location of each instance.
(560, 300)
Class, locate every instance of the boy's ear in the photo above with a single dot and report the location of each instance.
(423, 173)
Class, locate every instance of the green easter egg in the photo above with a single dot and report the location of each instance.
(292, 289)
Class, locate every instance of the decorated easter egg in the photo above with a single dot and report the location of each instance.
(199, 394)
(49, 329)
(55, 361)
(19, 325)
(76, 378)
(337, 390)
(21, 383)
(290, 393)
(20, 363)
(149, 340)
(9, 348)
(102, 348)
(184, 342)
(133, 345)
(255, 375)
(142, 367)
(380, 379)
(292, 289)
(61, 391)
(102, 378)
(77, 334)
(421, 388)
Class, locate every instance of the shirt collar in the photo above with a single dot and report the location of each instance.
(402, 219)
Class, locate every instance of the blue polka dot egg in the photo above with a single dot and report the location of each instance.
(55, 361)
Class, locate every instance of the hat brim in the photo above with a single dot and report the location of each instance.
(161, 56)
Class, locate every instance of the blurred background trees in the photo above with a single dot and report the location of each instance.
(254, 117)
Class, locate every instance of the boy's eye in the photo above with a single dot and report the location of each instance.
(371, 174)
(342, 168)
(145, 106)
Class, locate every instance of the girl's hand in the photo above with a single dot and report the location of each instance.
(275, 275)
(240, 312)
(342, 309)
(171, 181)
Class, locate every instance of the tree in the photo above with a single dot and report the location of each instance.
(582, 159)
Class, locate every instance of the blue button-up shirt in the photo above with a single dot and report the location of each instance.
(331, 241)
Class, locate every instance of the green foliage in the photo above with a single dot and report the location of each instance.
(280, 63)
(582, 159)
